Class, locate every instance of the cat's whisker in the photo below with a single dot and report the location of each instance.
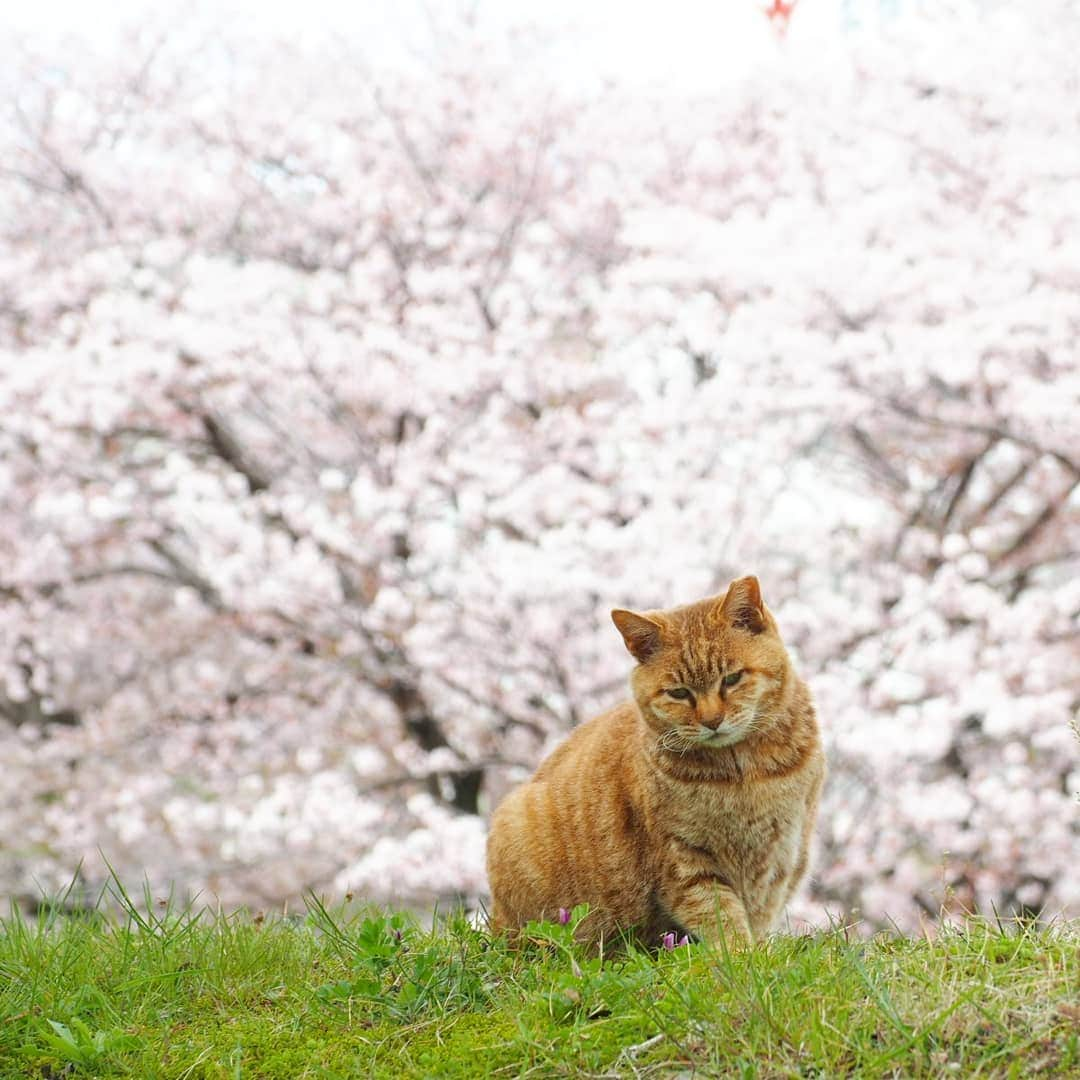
(670, 741)
(678, 740)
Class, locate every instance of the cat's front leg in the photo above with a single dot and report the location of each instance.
(703, 900)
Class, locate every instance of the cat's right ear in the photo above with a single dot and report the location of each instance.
(742, 605)
(641, 634)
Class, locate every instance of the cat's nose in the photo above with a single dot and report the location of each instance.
(713, 722)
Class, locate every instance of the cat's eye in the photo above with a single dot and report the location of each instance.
(679, 693)
(733, 678)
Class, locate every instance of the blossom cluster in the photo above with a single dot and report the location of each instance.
(330, 434)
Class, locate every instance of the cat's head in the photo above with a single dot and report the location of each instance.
(711, 673)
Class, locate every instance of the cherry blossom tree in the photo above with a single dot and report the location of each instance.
(335, 421)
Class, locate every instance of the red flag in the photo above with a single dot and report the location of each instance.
(779, 12)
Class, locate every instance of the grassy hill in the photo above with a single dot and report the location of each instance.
(333, 995)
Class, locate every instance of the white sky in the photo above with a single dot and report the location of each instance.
(678, 42)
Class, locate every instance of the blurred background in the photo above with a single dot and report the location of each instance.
(355, 361)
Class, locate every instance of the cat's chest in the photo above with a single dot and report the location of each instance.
(751, 834)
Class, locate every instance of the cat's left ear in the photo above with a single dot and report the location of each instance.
(743, 607)
(641, 633)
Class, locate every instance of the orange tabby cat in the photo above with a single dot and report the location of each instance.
(690, 809)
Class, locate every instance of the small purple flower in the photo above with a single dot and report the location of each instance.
(564, 916)
(670, 943)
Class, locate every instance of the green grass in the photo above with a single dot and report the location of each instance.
(186, 995)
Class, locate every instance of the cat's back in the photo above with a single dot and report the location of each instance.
(598, 743)
(592, 759)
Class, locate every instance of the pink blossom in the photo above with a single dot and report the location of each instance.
(321, 464)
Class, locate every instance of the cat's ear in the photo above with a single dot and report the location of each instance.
(742, 606)
(641, 633)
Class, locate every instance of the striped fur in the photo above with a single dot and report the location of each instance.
(673, 813)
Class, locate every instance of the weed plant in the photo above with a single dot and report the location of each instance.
(158, 991)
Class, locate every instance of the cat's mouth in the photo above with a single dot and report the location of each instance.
(683, 740)
(721, 737)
